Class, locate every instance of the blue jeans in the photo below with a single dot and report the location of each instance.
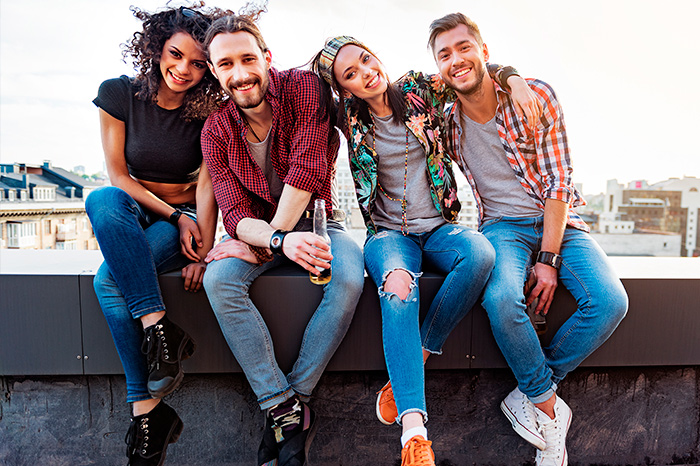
(228, 281)
(465, 257)
(585, 271)
(136, 245)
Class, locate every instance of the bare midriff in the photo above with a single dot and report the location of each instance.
(172, 193)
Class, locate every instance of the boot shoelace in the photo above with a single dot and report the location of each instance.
(137, 438)
(155, 347)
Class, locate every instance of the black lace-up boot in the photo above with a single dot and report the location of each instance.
(165, 345)
(149, 435)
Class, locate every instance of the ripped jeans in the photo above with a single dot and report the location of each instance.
(466, 257)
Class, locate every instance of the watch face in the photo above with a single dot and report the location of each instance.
(275, 242)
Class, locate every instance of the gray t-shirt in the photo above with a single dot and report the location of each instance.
(261, 154)
(501, 193)
(421, 214)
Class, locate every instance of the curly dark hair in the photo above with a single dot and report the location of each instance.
(146, 46)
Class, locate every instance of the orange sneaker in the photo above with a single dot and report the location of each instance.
(386, 406)
(418, 452)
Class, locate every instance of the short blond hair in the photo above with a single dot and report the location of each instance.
(449, 22)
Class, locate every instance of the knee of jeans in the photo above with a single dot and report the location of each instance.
(105, 199)
(504, 306)
(398, 283)
(103, 281)
(614, 305)
(481, 257)
(218, 278)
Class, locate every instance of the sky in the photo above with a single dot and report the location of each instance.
(625, 71)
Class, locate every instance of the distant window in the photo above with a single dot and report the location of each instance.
(47, 227)
(23, 195)
(21, 235)
(86, 224)
(11, 195)
(66, 245)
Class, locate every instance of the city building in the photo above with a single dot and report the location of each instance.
(669, 206)
(43, 207)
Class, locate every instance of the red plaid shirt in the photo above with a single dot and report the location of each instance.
(540, 159)
(299, 150)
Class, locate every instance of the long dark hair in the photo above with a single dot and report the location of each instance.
(395, 99)
(146, 46)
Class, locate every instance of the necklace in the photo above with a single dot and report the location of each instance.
(404, 218)
(245, 120)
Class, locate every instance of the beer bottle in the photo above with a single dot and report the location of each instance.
(321, 230)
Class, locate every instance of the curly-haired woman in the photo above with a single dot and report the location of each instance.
(158, 215)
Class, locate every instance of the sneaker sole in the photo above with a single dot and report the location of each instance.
(379, 412)
(529, 436)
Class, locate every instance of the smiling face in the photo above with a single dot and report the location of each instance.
(241, 67)
(182, 63)
(360, 73)
(461, 60)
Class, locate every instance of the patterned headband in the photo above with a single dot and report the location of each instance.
(330, 51)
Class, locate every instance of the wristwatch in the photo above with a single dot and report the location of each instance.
(276, 241)
(175, 216)
(549, 258)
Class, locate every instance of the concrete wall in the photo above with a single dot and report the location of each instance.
(647, 416)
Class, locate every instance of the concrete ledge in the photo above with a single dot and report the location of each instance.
(47, 301)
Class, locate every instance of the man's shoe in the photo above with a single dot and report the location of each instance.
(554, 431)
(149, 435)
(268, 452)
(417, 452)
(522, 416)
(294, 431)
(165, 345)
(386, 406)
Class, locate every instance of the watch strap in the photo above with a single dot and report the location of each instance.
(277, 240)
(549, 258)
(175, 216)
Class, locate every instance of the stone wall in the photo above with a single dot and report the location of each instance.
(622, 416)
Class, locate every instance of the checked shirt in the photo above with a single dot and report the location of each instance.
(539, 158)
(299, 150)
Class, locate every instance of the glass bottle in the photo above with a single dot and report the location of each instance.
(321, 230)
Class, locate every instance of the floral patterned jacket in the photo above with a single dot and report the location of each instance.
(425, 97)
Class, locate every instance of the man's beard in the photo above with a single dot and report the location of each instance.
(249, 101)
(476, 86)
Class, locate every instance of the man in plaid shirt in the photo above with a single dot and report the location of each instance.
(520, 172)
(271, 153)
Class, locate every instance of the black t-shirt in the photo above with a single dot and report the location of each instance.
(160, 145)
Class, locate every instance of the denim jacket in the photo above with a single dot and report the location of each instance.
(425, 96)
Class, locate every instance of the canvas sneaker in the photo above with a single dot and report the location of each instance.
(554, 431)
(523, 417)
(418, 452)
(386, 406)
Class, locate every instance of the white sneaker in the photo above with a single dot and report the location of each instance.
(522, 416)
(554, 431)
